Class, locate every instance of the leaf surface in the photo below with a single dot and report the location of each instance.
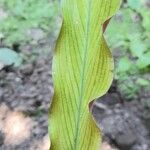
(10, 57)
(82, 72)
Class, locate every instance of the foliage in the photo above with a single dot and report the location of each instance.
(23, 15)
(9, 57)
(82, 71)
(131, 27)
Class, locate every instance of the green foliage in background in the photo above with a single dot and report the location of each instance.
(131, 46)
(22, 15)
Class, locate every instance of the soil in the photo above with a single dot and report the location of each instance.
(26, 91)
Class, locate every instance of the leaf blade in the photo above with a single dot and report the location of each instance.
(81, 62)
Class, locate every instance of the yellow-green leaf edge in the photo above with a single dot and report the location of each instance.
(82, 71)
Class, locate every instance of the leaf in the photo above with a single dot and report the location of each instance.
(123, 27)
(124, 65)
(145, 13)
(82, 71)
(137, 47)
(144, 61)
(135, 4)
(9, 57)
(143, 82)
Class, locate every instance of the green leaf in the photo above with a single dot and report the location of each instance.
(135, 4)
(144, 60)
(143, 82)
(137, 47)
(145, 15)
(123, 27)
(9, 57)
(124, 65)
(82, 72)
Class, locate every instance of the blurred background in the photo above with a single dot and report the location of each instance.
(28, 32)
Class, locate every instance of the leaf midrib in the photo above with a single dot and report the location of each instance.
(82, 76)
